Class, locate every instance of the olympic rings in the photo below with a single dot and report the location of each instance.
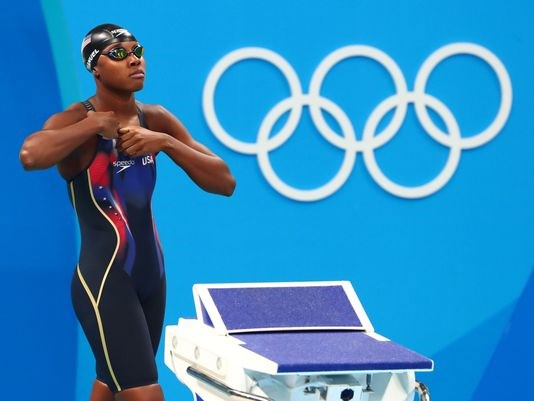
(370, 139)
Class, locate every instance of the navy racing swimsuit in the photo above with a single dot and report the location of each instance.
(118, 287)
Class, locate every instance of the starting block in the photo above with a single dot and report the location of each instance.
(297, 341)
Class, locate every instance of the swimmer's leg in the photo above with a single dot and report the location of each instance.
(101, 392)
(151, 392)
(116, 329)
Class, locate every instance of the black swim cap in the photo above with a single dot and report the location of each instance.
(98, 38)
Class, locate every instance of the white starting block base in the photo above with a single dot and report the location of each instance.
(220, 361)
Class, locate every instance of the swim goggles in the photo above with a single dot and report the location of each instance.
(120, 53)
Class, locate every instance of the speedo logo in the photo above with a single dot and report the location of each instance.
(123, 165)
(119, 32)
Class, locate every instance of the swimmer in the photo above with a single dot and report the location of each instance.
(106, 149)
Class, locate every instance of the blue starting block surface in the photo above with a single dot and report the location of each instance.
(311, 327)
(280, 307)
(329, 351)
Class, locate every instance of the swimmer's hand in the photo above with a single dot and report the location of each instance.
(108, 123)
(136, 141)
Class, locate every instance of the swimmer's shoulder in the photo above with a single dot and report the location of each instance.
(156, 116)
(71, 115)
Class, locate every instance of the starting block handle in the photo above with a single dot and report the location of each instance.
(191, 371)
(422, 390)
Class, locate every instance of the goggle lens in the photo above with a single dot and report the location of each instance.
(120, 53)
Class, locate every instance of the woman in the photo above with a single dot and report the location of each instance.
(106, 149)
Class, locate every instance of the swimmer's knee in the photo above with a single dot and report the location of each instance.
(149, 392)
(101, 392)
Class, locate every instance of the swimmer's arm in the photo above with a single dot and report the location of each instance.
(203, 166)
(60, 136)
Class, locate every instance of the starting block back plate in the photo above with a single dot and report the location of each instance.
(290, 306)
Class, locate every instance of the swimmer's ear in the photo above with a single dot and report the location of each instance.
(96, 74)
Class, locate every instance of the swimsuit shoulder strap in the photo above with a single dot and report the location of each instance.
(88, 105)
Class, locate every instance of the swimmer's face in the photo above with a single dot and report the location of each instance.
(122, 66)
